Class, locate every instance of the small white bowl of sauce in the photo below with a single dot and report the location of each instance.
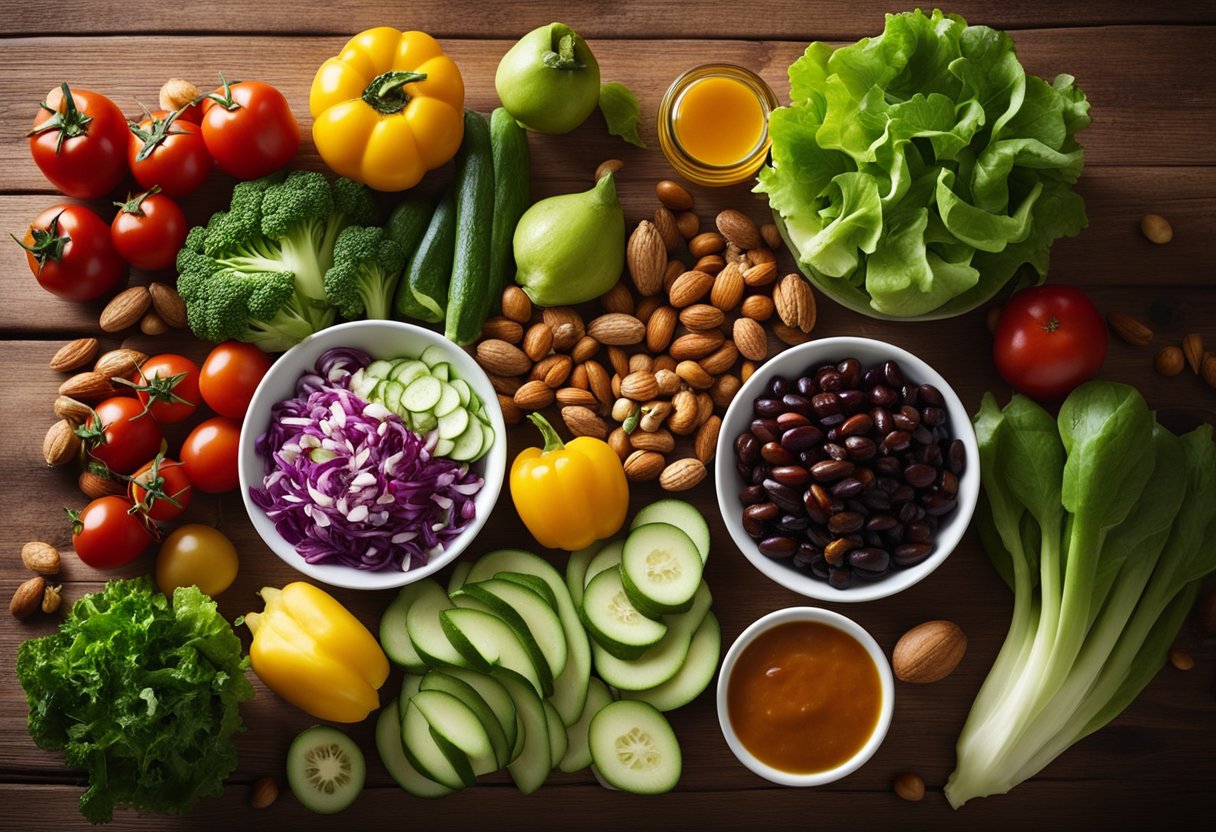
(805, 696)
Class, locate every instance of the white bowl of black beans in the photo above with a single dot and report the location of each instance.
(847, 469)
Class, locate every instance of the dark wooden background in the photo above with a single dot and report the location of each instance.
(1148, 70)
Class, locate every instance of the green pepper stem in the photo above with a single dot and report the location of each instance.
(553, 442)
(562, 55)
(386, 93)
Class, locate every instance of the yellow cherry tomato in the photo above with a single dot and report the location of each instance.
(196, 555)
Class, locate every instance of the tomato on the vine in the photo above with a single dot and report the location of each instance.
(120, 435)
(230, 375)
(167, 151)
(79, 141)
(249, 129)
(109, 532)
(1048, 340)
(148, 230)
(160, 489)
(167, 387)
(210, 454)
(71, 253)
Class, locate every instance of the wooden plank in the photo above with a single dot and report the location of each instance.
(839, 19)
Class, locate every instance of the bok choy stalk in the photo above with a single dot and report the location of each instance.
(1098, 521)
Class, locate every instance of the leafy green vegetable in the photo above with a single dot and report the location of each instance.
(1099, 522)
(620, 109)
(141, 693)
(917, 171)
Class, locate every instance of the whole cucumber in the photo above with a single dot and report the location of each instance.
(406, 226)
(423, 292)
(472, 289)
(509, 143)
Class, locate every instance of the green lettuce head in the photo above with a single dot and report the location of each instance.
(917, 171)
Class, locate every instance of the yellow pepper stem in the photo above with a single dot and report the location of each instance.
(386, 93)
(553, 442)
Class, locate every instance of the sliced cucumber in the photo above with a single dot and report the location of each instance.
(557, 734)
(576, 569)
(426, 632)
(468, 445)
(634, 748)
(680, 514)
(660, 568)
(388, 744)
(613, 622)
(533, 583)
(522, 607)
(433, 756)
(442, 371)
(469, 598)
(452, 720)
(518, 748)
(443, 447)
(409, 370)
(422, 395)
(608, 557)
(364, 385)
(487, 439)
(434, 354)
(494, 695)
(410, 684)
(380, 369)
(438, 680)
(464, 392)
(578, 755)
(423, 422)
(532, 764)
(662, 661)
(389, 393)
(694, 675)
(455, 423)
(325, 769)
(449, 400)
(394, 637)
(486, 639)
(459, 573)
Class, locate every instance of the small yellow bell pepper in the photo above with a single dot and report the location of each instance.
(388, 108)
(569, 495)
(311, 651)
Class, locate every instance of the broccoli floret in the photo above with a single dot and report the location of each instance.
(363, 278)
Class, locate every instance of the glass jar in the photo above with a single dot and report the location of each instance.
(713, 124)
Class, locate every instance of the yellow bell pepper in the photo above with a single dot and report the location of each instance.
(569, 495)
(388, 108)
(311, 651)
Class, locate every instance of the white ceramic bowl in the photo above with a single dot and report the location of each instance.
(792, 363)
(382, 339)
(832, 619)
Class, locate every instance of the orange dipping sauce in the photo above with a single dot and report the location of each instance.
(719, 121)
(804, 697)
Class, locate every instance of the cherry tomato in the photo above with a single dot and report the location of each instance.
(108, 533)
(210, 454)
(160, 489)
(70, 252)
(230, 375)
(168, 388)
(249, 129)
(79, 141)
(1048, 340)
(196, 555)
(167, 151)
(148, 230)
(120, 435)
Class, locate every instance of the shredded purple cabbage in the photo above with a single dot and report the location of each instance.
(348, 483)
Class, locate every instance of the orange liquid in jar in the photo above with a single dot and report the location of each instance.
(718, 121)
(804, 697)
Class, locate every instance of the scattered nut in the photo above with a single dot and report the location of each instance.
(28, 597)
(1156, 228)
(51, 599)
(125, 309)
(516, 305)
(168, 304)
(74, 354)
(929, 652)
(1192, 348)
(263, 793)
(40, 557)
(682, 474)
(153, 324)
(1169, 361)
(673, 195)
(61, 444)
(772, 236)
(689, 224)
(909, 786)
(94, 486)
(1129, 330)
(1181, 659)
(177, 93)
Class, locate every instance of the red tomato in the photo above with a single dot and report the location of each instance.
(249, 129)
(1048, 340)
(165, 150)
(161, 489)
(210, 455)
(230, 375)
(79, 141)
(70, 252)
(120, 435)
(148, 230)
(108, 533)
(168, 388)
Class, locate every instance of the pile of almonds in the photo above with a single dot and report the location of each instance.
(156, 308)
(670, 347)
(34, 594)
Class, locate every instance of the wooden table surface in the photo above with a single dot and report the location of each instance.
(1148, 73)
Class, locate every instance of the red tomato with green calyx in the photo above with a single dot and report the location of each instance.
(210, 455)
(161, 489)
(230, 375)
(167, 151)
(149, 230)
(167, 387)
(109, 532)
(120, 435)
(249, 129)
(71, 253)
(79, 141)
(1049, 339)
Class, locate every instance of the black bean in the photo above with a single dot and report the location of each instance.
(806, 386)
(882, 420)
(829, 380)
(858, 423)
(744, 470)
(836, 451)
(903, 494)
(863, 575)
(897, 440)
(872, 538)
(756, 529)
(860, 447)
(853, 401)
(811, 455)
(888, 466)
(883, 396)
(850, 371)
(831, 421)
(930, 455)
(835, 551)
(840, 578)
(807, 555)
(849, 487)
(774, 454)
(778, 547)
(911, 554)
(762, 511)
(892, 373)
(793, 523)
(903, 421)
(768, 408)
(788, 421)
(831, 470)
(870, 559)
(931, 395)
(765, 430)
(795, 476)
(909, 394)
(876, 499)
(948, 483)
(784, 496)
(825, 404)
(872, 377)
(752, 494)
(893, 537)
(922, 435)
(747, 448)
(792, 402)
(818, 536)
(759, 474)
(845, 522)
(919, 532)
(938, 504)
(933, 416)
(880, 523)
(801, 438)
(858, 506)
(957, 456)
(779, 386)
(919, 475)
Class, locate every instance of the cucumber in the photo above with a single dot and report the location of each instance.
(459, 573)
(533, 583)
(578, 755)
(407, 223)
(527, 612)
(449, 400)
(380, 369)
(407, 370)
(442, 370)
(423, 291)
(426, 632)
(453, 424)
(634, 748)
(410, 683)
(532, 764)
(682, 515)
(421, 396)
(388, 744)
(434, 354)
(472, 289)
(662, 661)
(440, 681)
(558, 743)
(660, 568)
(471, 599)
(608, 557)
(394, 637)
(509, 146)
(576, 570)
(325, 769)
(433, 756)
(453, 721)
(485, 639)
(494, 695)
(694, 675)
(613, 622)
(469, 445)
(518, 748)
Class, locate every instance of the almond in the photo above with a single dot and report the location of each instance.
(40, 557)
(575, 397)
(599, 383)
(663, 362)
(578, 377)
(760, 254)
(682, 474)
(746, 370)
(675, 268)
(708, 242)
(585, 348)
(554, 370)
(702, 316)
(72, 410)
(1156, 229)
(498, 357)
(74, 354)
(538, 341)
(504, 385)
(667, 381)
(168, 304)
(750, 339)
(660, 328)
(1192, 348)
(721, 359)
(646, 256)
(696, 345)
(689, 224)
(673, 195)
(641, 466)
(120, 363)
(734, 253)
(795, 302)
(728, 287)
(665, 222)
(1129, 329)
(504, 329)
(567, 326)
(617, 329)
(760, 274)
(51, 599)
(534, 395)
(771, 235)
(639, 362)
(263, 793)
(582, 421)
(512, 414)
(929, 652)
(86, 386)
(683, 420)
(738, 228)
(692, 373)
(1169, 361)
(617, 299)
(654, 414)
(1207, 369)
(93, 486)
(516, 305)
(758, 307)
(705, 407)
(618, 440)
(619, 359)
(61, 444)
(28, 597)
(705, 444)
(125, 309)
(689, 288)
(789, 335)
(724, 390)
(711, 264)
(659, 440)
(153, 324)
(646, 307)
(640, 386)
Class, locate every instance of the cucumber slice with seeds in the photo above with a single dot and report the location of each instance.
(680, 514)
(662, 661)
(660, 568)
(609, 557)
(634, 748)
(392, 754)
(613, 622)
(578, 754)
(325, 769)
(694, 675)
